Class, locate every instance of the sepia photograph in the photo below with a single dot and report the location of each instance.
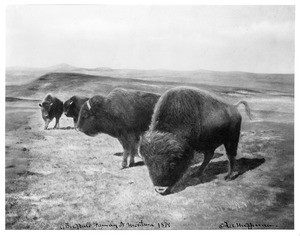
(149, 117)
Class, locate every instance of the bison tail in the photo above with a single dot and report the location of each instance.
(247, 108)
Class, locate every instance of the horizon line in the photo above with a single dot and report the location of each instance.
(156, 69)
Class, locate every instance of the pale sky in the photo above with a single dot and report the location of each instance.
(221, 38)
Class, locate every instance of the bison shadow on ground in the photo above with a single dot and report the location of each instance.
(139, 163)
(118, 154)
(213, 170)
(62, 128)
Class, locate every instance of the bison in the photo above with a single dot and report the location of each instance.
(72, 107)
(123, 114)
(51, 107)
(187, 120)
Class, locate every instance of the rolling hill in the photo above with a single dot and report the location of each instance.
(270, 82)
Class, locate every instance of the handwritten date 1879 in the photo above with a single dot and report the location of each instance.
(164, 224)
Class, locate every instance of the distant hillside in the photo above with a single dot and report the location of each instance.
(281, 82)
(65, 85)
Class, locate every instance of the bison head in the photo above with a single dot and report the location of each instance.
(45, 108)
(87, 122)
(68, 108)
(167, 157)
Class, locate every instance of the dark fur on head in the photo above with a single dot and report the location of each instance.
(88, 122)
(72, 107)
(51, 107)
(166, 156)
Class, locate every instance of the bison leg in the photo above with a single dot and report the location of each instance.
(231, 150)
(56, 123)
(129, 143)
(133, 153)
(125, 156)
(134, 150)
(126, 150)
(231, 173)
(75, 123)
(208, 155)
(47, 121)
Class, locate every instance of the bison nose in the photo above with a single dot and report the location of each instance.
(162, 190)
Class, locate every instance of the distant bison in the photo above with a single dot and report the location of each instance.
(72, 107)
(123, 114)
(187, 120)
(51, 107)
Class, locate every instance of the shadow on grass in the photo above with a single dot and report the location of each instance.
(139, 163)
(213, 170)
(27, 173)
(118, 154)
(62, 128)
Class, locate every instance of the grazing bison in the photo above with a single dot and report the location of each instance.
(123, 114)
(72, 107)
(51, 107)
(187, 120)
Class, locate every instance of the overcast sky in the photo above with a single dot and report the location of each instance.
(222, 38)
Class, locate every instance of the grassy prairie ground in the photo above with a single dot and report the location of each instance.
(63, 178)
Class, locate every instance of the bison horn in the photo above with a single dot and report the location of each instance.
(88, 104)
(162, 190)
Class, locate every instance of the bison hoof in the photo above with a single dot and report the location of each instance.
(124, 164)
(231, 176)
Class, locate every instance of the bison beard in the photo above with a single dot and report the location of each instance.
(168, 156)
(187, 120)
(123, 114)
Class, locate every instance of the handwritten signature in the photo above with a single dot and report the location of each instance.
(247, 225)
(112, 225)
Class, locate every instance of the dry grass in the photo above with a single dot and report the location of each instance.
(63, 176)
